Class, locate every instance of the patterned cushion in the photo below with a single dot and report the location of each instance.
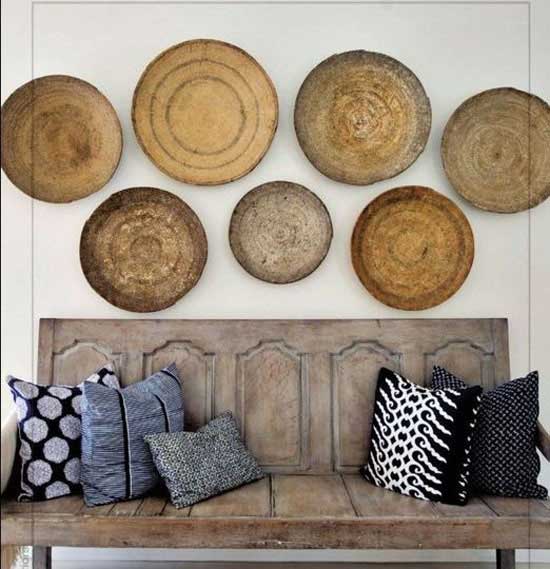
(421, 439)
(197, 466)
(49, 435)
(504, 454)
(116, 463)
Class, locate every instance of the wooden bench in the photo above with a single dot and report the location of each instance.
(303, 392)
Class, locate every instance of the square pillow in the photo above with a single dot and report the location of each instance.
(504, 452)
(197, 466)
(421, 438)
(48, 464)
(116, 463)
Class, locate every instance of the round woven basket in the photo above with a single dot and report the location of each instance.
(361, 117)
(412, 248)
(143, 249)
(205, 112)
(280, 232)
(61, 139)
(496, 150)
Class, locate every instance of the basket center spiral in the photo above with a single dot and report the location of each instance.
(409, 247)
(194, 117)
(62, 135)
(362, 116)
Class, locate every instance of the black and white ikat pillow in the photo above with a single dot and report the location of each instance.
(421, 439)
(49, 423)
(504, 453)
(197, 466)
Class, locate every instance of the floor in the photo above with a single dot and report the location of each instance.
(221, 565)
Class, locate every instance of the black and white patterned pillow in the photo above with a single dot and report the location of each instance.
(49, 435)
(197, 466)
(504, 453)
(421, 438)
(116, 462)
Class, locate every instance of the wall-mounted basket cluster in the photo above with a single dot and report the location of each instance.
(205, 112)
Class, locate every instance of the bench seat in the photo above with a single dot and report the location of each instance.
(285, 512)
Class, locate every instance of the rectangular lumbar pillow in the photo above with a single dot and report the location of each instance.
(197, 466)
(421, 439)
(49, 428)
(116, 462)
(504, 452)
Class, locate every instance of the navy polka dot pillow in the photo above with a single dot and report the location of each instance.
(49, 436)
(504, 453)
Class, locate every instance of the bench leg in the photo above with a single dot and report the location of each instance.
(41, 557)
(506, 558)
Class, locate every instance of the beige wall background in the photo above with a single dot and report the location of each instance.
(456, 48)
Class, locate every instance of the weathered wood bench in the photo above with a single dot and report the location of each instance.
(303, 391)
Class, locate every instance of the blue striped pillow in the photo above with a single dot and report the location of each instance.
(116, 462)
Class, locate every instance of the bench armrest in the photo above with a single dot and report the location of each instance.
(9, 445)
(543, 441)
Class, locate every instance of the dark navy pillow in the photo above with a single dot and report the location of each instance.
(421, 438)
(116, 462)
(48, 458)
(504, 452)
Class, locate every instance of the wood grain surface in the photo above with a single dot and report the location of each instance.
(302, 390)
(286, 512)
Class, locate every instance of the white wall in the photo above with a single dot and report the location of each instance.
(456, 49)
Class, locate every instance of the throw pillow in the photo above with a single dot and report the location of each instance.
(48, 464)
(197, 466)
(504, 452)
(421, 439)
(116, 463)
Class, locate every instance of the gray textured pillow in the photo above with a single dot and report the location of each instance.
(197, 466)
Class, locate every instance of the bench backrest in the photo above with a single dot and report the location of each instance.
(303, 390)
